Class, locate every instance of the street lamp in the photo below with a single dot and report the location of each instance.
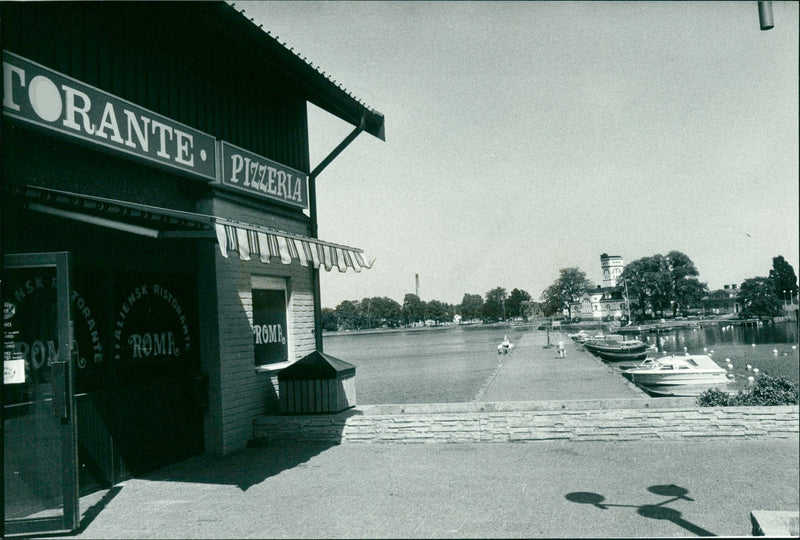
(783, 299)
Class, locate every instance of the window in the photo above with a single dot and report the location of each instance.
(270, 328)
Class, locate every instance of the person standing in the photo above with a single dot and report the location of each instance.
(562, 353)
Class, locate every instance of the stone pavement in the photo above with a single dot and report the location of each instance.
(532, 372)
(477, 490)
(547, 489)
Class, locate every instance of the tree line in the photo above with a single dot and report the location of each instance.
(383, 312)
(657, 285)
(668, 285)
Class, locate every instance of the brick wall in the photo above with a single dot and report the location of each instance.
(244, 394)
(494, 424)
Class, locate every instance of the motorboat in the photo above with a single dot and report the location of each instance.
(678, 375)
(579, 335)
(505, 347)
(618, 350)
(582, 336)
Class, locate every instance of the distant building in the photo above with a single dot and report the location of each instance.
(722, 301)
(606, 302)
(612, 266)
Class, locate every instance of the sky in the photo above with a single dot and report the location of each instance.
(526, 137)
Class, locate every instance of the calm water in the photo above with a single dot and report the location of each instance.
(772, 348)
(440, 365)
(450, 364)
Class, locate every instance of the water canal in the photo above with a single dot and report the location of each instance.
(450, 364)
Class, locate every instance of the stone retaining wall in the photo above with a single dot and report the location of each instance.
(498, 423)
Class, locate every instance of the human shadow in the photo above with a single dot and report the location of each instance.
(651, 511)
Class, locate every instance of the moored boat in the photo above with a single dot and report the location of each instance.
(624, 350)
(582, 336)
(505, 347)
(627, 356)
(678, 375)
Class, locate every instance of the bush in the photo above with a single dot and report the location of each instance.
(768, 390)
(714, 398)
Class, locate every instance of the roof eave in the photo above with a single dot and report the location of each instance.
(321, 91)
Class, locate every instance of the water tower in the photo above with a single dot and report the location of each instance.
(612, 266)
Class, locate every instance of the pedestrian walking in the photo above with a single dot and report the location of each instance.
(562, 353)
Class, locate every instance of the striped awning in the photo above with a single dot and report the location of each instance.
(264, 244)
(246, 240)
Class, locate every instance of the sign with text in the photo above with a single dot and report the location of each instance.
(38, 95)
(39, 349)
(269, 326)
(248, 172)
(152, 325)
(30, 332)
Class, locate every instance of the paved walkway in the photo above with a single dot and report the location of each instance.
(532, 372)
(480, 490)
(472, 490)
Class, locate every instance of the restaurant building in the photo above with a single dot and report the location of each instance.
(159, 239)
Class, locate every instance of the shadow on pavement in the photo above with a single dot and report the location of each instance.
(87, 516)
(652, 511)
(244, 468)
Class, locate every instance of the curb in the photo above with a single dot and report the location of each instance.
(773, 524)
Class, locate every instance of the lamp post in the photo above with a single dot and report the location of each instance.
(783, 299)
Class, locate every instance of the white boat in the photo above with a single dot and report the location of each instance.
(678, 375)
(582, 336)
(505, 347)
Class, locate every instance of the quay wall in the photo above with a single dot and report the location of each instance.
(519, 422)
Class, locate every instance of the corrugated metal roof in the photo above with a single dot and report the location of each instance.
(326, 92)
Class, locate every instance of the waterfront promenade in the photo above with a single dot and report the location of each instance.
(476, 490)
(544, 489)
(533, 372)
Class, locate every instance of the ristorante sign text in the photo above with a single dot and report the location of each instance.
(257, 175)
(38, 95)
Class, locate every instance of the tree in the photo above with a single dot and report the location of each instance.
(438, 311)
(686, 289)
(413, 308)
(329, 320)
(347, 314)
(649, 282)
(493, 307)
(661, 282)
(514, 304)
(471, 306)
(783, 278)
(688, 292)
(386, 311)
(571, 284)
(551, 300)
(758, 298)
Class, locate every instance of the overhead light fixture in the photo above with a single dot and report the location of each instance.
(765, 15)
(95, 220)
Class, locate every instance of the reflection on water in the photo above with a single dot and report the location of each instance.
(450, 364)
(432, 365)
(771, 348)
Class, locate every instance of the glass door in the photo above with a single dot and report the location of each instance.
(40, 479)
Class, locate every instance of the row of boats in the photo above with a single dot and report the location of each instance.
(675, 375)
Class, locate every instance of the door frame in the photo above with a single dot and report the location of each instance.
(63, 400)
